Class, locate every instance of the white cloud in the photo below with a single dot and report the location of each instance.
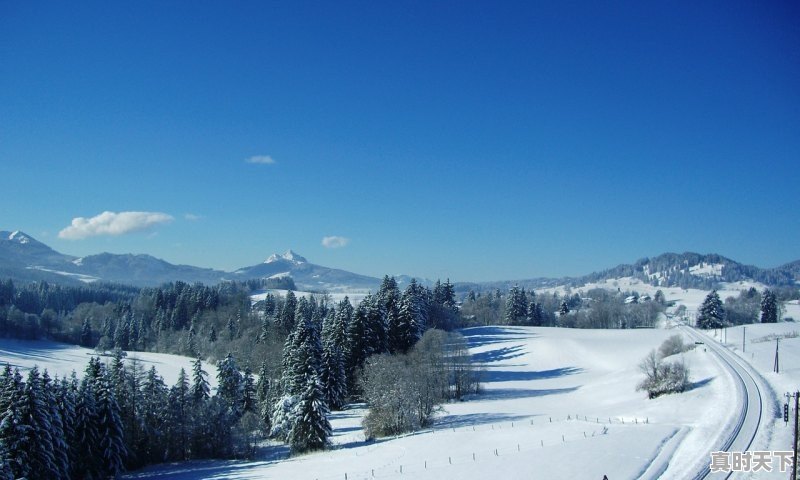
(261, 160)
(113, 223)
(335, 241)
(192, 217)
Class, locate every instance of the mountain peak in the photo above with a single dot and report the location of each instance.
(289, 256)
(19, 237)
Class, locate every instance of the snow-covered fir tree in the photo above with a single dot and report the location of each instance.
(200, 390)
(769, 307)
(310, 427)
(229, 382)
(711, 314)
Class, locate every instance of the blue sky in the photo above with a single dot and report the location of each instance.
(469, 140)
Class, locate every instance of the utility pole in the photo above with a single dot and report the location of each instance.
(794, 445)
(776, 369)
(744, 334)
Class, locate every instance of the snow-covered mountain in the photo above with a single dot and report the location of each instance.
(24, 258)
(686, 270)
(308, 276)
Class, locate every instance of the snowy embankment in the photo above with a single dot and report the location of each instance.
(759, 350)
(557, 403)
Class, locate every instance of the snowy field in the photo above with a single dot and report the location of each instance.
(557, 403)
(60, 360)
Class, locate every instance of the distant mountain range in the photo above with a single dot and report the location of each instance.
(687, 270)
(24, 258)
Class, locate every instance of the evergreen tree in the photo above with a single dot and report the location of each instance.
(36, 414)
(179, 417)
(112, 444)
(357, 352)
(332, 377)
(230, 381)
(516, 311)
(376, 326)
(249, 400)
(286, 319)
(405, 332)
(200, 390)
(263, 383)
(310, 428)
(86, 462)
(57, 430)
(14, 429)
(564, 309)
(711, 314)
(342, 318)
(769, 307)
(86, 334)
(155, 400)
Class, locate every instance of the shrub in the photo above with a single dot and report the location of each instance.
(672, 346)
(663, 377)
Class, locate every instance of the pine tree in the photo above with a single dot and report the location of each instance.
(86, 463)
(286, 319)
(311, 428)
(86, 334)
(405, 332)
(230, 381)
(110, 429)
(200, 390)
(332, 377)
(155, 401)
(357, 352)
(711, 314)
(342, 318)
(263, 383)
(39, 440)
(516, 310)
(376, 326)
(769, 307)
(57, 429)
(249, 400)
(179, 417)
(14, 429)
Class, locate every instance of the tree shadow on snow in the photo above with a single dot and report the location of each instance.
(517, 393)
(209, 469)
(479, 336)
(491, 376)
(467, 420)
(700, 383)
(500, 354)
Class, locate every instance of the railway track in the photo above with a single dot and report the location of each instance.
(748, 421)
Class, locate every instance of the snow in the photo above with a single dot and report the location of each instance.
(61, 359)
(759, 352)
(355, 296)
(288, 255)
(706, 270)
(19, 236)
(78, 276)
(557, 403)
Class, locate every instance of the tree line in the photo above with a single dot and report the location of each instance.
(312, 357)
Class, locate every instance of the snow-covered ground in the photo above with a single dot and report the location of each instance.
(557, 403)
(60, 360)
